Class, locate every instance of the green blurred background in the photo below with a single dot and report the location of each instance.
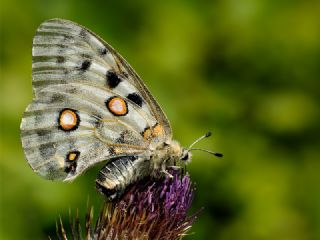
(248, 70)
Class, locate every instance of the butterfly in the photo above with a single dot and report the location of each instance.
(90, 106)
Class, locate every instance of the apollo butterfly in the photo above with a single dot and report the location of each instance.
(90, 106)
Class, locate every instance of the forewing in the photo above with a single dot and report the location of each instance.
(89, 105)
(70, 43)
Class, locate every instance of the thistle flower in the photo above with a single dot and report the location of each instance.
(148, 210)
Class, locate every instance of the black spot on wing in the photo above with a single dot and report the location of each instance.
(71, 168)
(103, 51)
(112, 79)
(136, 98)
(85, 65)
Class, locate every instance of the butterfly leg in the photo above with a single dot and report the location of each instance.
(175, 167)
(164, 171)
(117, 174)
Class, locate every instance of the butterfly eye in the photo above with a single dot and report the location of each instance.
(185, 155)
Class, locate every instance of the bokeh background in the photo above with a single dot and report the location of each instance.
(248, 70)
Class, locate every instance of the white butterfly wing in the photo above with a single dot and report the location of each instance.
(89, 104)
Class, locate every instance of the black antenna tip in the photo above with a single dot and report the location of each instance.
(208, 134)
(218, 154)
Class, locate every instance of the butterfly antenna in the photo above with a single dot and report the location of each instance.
(207, 151)
(208, 134)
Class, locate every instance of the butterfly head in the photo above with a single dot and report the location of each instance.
(186, 155)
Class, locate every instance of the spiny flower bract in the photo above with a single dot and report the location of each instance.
(148, 210)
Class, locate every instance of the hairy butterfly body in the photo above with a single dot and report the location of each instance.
(90, 106)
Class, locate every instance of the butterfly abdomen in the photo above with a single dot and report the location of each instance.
(120, 172)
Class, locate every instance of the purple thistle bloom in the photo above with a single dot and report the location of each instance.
(148, 210)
